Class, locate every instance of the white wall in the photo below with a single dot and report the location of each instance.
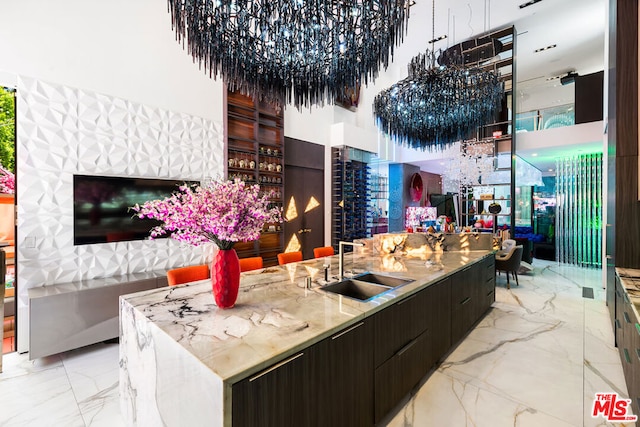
(123, 48)
(552, 94)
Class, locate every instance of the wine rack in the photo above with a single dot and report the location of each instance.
(352, 218)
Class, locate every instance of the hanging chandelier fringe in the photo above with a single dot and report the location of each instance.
(291, 51)
(437, 105)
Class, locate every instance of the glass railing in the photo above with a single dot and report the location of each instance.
(552, 117)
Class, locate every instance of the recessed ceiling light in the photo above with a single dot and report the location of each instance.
(534, 154)
(551, 46)
(529, 3)
(550, 170)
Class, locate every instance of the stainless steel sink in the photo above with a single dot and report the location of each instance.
(382, 279)
(355, 289)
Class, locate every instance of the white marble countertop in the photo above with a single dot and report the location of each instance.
(275, 316)
(630, 279)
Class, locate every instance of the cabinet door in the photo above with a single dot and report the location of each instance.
(410, 336)
(618, 320)
(438, 297)
(487, 278)
(344, 378)
(395, 378)
(395, 326)
(633, 383)
(629, 346)
(463, 301)
(278, 396)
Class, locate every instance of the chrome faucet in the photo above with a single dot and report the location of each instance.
(341, 246)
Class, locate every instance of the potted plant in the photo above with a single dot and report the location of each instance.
(223, 212)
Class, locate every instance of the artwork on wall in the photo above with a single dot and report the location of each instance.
(416, 187)
(349, 97)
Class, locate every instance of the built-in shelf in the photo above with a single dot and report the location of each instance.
(501, 182)
(255, 154)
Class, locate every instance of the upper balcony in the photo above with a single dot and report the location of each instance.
(548, 118)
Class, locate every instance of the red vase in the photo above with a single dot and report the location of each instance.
(225, 277)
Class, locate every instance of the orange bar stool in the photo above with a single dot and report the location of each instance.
(287, 257)
(252, 263)
(192, 273)
(323, 252)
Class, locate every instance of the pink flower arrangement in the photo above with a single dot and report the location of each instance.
(223, 212)
(7, 181)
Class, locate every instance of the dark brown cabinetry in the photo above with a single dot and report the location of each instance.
(488, 285)
(255, 154)
(410, 336)
(358, 375)
(619, 306)
(398, 375)
(327, 384)
(343, 378)
(633, 383)
(627, 331)
(472, 293)
(399, 324)
(464, 298)
(440, 318)
(279, 395)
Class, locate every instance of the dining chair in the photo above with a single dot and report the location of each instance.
(251, 263)
(510, 263)
(191, 273)
(323, 251)
(508, 244)
(287, 257)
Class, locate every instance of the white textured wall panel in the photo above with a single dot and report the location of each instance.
(64, 131)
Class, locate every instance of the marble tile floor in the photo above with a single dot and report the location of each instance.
(536, 359)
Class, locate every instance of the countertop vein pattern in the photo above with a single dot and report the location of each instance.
(630, 279)
(275, 316)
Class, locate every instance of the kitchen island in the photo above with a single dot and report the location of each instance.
(290, 355)
(626, 327)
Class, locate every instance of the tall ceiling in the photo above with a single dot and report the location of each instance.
(575, 27)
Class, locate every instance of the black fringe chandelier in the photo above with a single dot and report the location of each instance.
(291, 51)
(437, 105)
